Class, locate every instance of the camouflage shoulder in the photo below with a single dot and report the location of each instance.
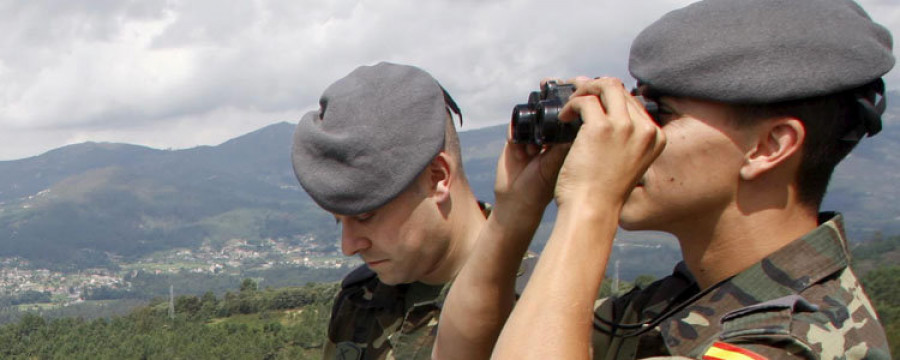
(846, 314)
(765, 330)
(362, 274)
(795, 327)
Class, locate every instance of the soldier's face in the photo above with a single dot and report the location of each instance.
(401, 241)
(696, 176)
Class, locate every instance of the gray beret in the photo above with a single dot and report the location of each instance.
(375, 131)
(761, 51)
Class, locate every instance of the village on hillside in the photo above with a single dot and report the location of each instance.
(19, 279)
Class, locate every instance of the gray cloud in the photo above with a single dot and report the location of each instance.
(181, 73)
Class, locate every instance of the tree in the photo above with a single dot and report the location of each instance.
(248, 285)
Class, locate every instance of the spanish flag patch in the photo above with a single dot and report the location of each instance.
(723, 351)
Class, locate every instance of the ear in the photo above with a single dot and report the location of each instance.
(440, 176)
(777, 141)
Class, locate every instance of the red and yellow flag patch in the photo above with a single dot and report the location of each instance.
(723, 351)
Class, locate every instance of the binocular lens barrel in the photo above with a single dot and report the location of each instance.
(523, 118)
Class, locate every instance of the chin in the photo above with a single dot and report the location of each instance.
(387, 279)
(635, 222)
(628, 220)
(631, 226)
(388, 282)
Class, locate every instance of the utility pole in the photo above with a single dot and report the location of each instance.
(172, 302)
(615, 284)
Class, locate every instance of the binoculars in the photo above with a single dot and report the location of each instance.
(537, 121)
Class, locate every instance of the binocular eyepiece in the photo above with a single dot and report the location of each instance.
(537, 121)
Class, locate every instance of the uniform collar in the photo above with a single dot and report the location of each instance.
(801, 263)
(788, 271)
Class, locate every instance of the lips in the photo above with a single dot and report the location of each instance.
(375, 262)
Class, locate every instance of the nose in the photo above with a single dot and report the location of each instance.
(351, 242)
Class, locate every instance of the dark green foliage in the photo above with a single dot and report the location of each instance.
(149, 333)
(105, 293)
(32, 297)
(875, 262)
(248, 285)
(883, 287)
(643, 280)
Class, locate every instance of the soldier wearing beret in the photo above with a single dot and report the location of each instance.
(758, 102)
(382, 155)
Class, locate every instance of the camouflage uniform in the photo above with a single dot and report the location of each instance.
(372, 320)
(802, 301)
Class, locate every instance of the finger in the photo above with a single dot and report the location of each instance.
(551, 162)
(660, 142)
(515, 149)
(637, 112)
(612, 95)
(584, 107)
(578, 80)
(584, 85)
(646, 123)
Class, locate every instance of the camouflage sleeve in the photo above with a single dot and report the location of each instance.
(354, 326)
(329, 350)
(628, 308)
(607, 312)
(601, 339)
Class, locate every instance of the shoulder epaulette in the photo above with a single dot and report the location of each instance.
(773, 315)
(359, 275)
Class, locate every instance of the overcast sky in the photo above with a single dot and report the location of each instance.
(178, 73)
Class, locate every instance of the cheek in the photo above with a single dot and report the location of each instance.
(686, 166)
(409, 237)
(669, 169)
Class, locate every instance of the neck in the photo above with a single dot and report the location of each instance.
(464, 224)
(735, 241)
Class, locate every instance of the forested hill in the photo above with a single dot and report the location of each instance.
(78, 204)
(83, 205)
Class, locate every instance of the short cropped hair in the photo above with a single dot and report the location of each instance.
(827, 119)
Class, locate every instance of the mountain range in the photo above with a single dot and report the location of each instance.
(81, 204)
(88, 204)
